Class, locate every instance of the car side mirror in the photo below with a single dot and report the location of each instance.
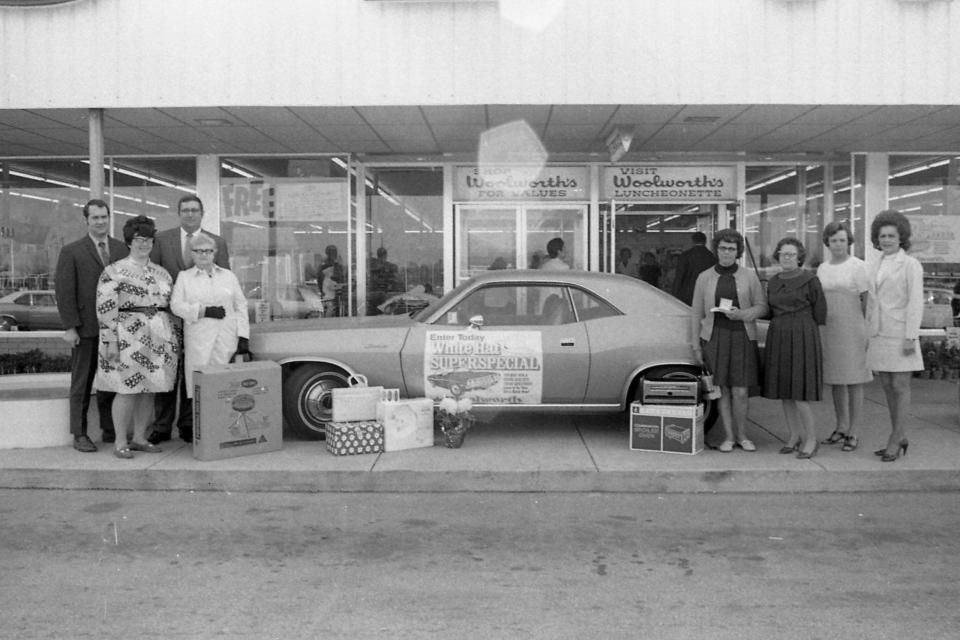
(476, 322)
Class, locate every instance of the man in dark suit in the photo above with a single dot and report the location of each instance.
(691, 264)
(78, 269)
(171, 250)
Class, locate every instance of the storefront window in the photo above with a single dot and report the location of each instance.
(927, 190)
(784, 201)
(286, 223)
(403, 239)
(150, 187)
(41, 204)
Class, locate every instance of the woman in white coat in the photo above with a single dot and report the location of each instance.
(213, 308)
(893, 319)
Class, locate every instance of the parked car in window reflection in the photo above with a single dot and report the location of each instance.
(29, 311)
(937, 308)
(289, 302)
(548, 341)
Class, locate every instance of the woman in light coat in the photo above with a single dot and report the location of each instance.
(894, 313)
(213, 308)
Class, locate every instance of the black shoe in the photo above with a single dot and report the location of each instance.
(186, 435)
(108, 438)
(84, 443)
(157, 437)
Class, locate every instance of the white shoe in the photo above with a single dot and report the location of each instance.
(726, 446)
(747, 445)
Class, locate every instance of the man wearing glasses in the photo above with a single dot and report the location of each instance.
(172, 251)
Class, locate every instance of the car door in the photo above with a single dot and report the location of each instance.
(43, 311)
(529, 350)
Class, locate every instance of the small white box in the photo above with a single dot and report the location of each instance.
(407, 424)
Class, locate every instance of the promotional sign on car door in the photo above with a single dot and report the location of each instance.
(496, 367)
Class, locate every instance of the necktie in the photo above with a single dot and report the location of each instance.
(187, 254)
(104, 254)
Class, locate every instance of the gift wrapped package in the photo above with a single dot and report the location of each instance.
(352, 438)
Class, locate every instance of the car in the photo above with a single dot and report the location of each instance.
(517, 340)
(32, 310)
(937, 308)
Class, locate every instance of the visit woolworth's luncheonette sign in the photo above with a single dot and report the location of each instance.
(499, 183)
(669, 183)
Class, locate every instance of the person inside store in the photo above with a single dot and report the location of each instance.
(844, 336)
(79, 266)
(894, 313)
(384, 281)
(214, 311)
(331, 281)
(139, 346)
(555, 254)
(793, 355)
(171, 250)
(691, 264)
(649, 270)
(727, 301)
(626, 265)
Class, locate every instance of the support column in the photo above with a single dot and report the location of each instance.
(876, 193)
(95, 120)
(208, 190)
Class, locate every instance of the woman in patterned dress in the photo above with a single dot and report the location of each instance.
(793, 358)
(139, 344)
(844, 336)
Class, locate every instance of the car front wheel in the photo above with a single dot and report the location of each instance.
(8, 323)
(307, 398)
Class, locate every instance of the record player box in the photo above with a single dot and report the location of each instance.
(666, 428)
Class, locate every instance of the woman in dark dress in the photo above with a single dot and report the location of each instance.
(793, 358)
(727, 300)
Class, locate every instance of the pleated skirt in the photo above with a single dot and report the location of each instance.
(732, 357)
(793, 359)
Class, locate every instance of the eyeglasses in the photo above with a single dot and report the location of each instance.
(141, 241)
(726, 249)
(191, 210)
(788, 254)
(203, 250)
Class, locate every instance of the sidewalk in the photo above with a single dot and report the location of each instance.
(542, 453)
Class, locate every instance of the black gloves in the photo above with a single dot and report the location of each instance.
(217, 313)
(243, 346)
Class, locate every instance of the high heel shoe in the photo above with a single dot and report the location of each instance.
(890, 457)
(803, 455)
(850, 443)
(834, 438)
(790, 448)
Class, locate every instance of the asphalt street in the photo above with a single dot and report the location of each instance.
(166, 564)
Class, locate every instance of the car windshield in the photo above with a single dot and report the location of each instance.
(426, 312)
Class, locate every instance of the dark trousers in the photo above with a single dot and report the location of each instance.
(83, 369)
(165, 407)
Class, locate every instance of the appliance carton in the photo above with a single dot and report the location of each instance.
(236, 410)
(668, 428)
(407, 424)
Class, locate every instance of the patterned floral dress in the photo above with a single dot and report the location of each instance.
(133, 309)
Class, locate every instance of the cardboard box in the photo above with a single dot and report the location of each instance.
(236, 410)
(407, 424)
(666, 428)
(352, 438)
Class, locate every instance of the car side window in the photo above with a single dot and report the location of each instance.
(23, 300)
(45, 300)
(512, 305)
(590, 307)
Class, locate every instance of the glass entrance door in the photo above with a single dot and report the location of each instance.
(516, 236)
(645, 240)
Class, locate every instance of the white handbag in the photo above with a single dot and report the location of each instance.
(358, 401)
